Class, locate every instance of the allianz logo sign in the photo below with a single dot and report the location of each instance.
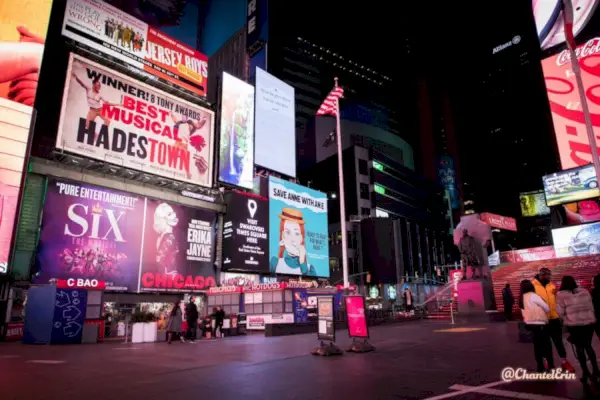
(515, 40)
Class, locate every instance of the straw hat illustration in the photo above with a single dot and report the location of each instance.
(291, 214)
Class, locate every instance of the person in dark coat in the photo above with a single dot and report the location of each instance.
(219, 316)
(596, 302)
(509, 300)
(191, 316)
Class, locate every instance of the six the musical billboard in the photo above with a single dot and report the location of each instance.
(131, 242)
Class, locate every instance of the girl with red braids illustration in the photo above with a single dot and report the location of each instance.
(292, 245)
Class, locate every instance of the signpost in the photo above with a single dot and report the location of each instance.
(326, 328)
(358, 329)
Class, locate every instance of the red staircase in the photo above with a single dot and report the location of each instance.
(583, 269)
(442, 313)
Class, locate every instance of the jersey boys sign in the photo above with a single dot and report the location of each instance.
(245, 233)
(111, 31)
(130, 242)
(111, 117)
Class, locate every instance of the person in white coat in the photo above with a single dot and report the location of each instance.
(534, 310)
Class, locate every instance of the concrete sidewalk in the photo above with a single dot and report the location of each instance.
(413, 361)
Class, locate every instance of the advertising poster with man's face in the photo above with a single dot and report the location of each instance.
(179, 245)
(236, 149)
(91, 232)
(113, 118)
(298, 230)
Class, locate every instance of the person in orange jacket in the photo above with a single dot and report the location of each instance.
(547, 291)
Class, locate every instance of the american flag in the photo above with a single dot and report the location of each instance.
(329, 107)
(567, 7)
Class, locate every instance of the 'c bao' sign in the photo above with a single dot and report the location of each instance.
(80, 283)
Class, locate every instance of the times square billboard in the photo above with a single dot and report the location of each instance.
(566, 109)
(132, 242)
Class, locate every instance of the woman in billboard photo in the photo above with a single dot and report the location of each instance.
(95, 101)
(189, 131)
(165, 219)
(236, 141)
(292, 247)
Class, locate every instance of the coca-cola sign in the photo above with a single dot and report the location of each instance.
(565, 105)
(591, 47)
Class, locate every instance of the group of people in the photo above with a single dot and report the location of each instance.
(90, 261)
(123, 35)
(191, 314)
(545, 310)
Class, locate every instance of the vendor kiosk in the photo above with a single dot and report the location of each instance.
(57, 313)
(268, 303)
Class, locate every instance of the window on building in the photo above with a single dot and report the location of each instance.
(364, 191)
(365, 211)
(363, 167)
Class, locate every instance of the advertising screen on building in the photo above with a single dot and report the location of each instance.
(110, 117)
(357, 318)
(571, 185)
(124, 239)
(533, 204)
(563, 96)
(90, 232)
(236, 138)
(577, 240)
(109, 30)
(22, 37)
(179, 245)
(245, 233)
(549, 19)
(298, 229)
(275, 124)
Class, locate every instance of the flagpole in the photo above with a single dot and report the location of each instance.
(342, 195)
(568, 15)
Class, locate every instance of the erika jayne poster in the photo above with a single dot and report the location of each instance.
(111, 117)
(178, 248)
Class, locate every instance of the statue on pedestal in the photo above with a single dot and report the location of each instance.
(469, 257)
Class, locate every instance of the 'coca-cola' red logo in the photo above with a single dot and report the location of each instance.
(565, 102)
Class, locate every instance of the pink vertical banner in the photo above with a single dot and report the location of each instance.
(357, 319)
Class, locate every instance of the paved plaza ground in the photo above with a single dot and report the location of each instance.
(413, 360)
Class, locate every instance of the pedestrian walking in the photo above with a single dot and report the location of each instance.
(175, 322)
(547, 291)
(408, 301)
(219, 316)
(508, 300)
(535, 316)
(596, 302)
(191, 316)
(574, 306)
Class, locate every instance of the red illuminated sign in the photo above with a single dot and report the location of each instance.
(225, 289)
(80, 283)
(500, 222)
(563, 96)
(266, 287)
